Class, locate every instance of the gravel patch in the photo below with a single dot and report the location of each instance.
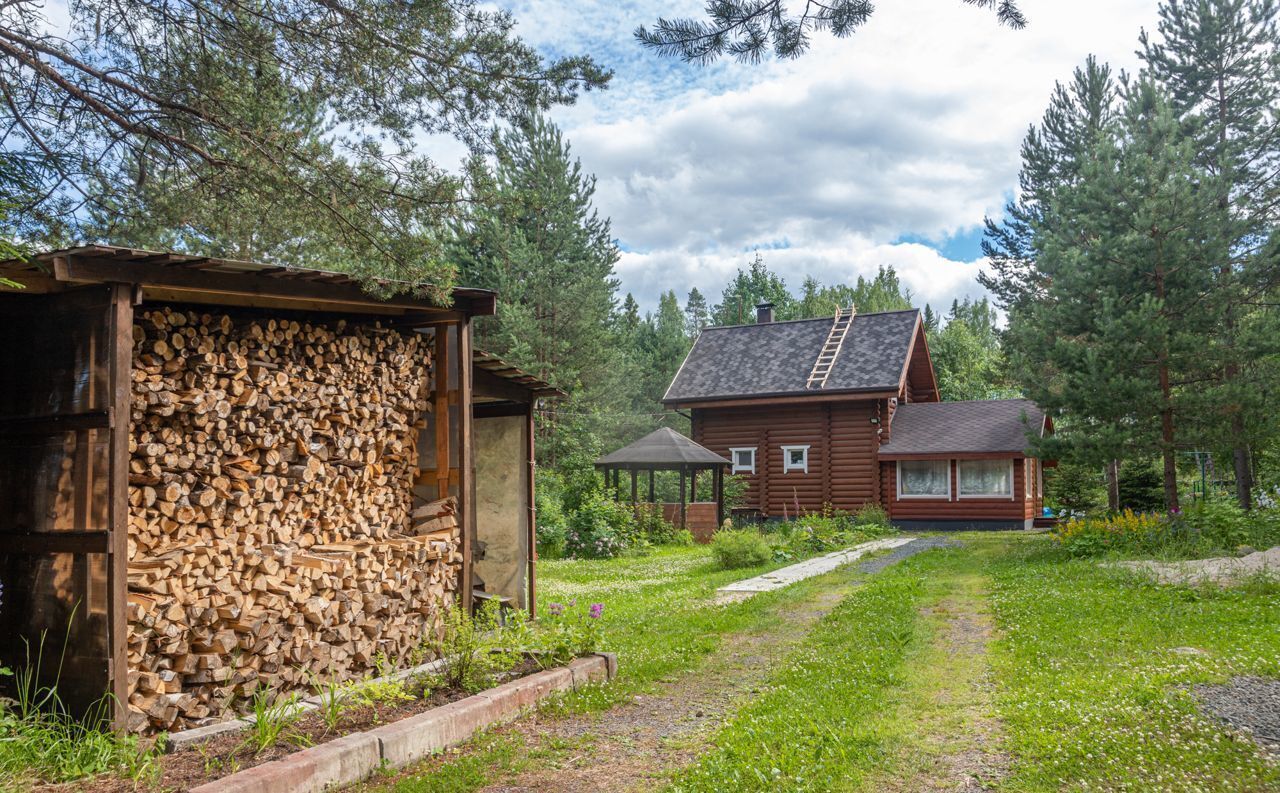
(896, 555)
(1223, 570)
(1248, 704)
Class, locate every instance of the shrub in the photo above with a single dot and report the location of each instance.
(567, 631)
(601, 529)
(475, 648)
(871, 518)
(1141, 487)
(1210, 527)
(656, 529)
(739, 548)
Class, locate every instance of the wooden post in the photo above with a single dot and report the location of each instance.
(718, 487)
(693, 485)
(653, 499)
(635, 498)
(441, 399)
(466, 463)
(532, 494)
(683, 501)
(121, 362)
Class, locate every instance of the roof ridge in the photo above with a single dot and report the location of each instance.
(824, 318)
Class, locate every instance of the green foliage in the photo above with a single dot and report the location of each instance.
(749, 29)
(871, 517)
(1211, 527)
(275, 721)
(1141, 487)
(1074, 488)
(967, 359)
(567, 631)
(657, 530)
(474, 648)
(311, 107)
(552, 526)
(601, 528)
(757, 284)
(737, 548)
(883, 292)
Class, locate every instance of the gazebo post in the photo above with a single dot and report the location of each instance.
(653, 499)
(683, 501)
(693, 485)
(635, 500)
(718, 486)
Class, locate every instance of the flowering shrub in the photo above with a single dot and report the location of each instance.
(565, 632)
(1212, 526)
(601, 529)
(1127, 530)
(739, 548)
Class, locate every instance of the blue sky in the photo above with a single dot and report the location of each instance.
(885, 148)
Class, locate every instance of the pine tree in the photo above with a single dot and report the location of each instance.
(756, 284)
(533, 235)
(697, 314)
(1052, 155)
(930, 320)
(967, 358)
(1220, 62)
(1129, 259)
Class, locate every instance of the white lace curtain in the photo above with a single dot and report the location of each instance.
(924, 477)
(986, 478)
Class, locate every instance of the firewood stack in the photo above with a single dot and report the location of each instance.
(273, 534)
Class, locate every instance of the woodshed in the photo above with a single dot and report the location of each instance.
(221, 476)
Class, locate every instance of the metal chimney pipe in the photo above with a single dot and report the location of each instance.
(764, 313)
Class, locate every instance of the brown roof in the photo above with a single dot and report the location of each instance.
(662, 448)
(977, 427)
(500, 368)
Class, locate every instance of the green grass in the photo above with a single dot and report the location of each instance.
(1090, 691)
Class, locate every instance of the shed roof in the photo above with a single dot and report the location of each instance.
(775, 358)
(984, 426)
(193, 278)
(662, 447)
(500, 368)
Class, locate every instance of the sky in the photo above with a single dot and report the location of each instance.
(885, 148)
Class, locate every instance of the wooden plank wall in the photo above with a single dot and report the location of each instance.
(1018, 508)
(841, 440)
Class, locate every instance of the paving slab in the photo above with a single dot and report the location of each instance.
(785, 576)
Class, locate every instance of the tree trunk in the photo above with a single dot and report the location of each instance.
(1113, 485)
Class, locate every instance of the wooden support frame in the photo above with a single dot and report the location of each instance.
(466, 460)
(531, 495)
(120, 334)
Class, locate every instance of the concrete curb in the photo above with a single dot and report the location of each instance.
(349, 759)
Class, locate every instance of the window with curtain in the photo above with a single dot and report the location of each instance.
(992, 478)
(924, 479)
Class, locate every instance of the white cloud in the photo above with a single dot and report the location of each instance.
(908, 129)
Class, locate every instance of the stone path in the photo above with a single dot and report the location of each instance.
(777, 579)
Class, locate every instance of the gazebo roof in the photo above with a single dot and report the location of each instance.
(662, 448)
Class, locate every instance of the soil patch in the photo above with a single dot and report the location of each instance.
(1224, 571)
(1250, 705)
(228, 753)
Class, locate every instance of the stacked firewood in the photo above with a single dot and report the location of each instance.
(273, 538)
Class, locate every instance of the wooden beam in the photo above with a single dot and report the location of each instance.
(120, 382)
(53, 424)
(780, 399)
(78, 542)
(718, 487)
(635, 496)
(440, 397)
(531, 496)
(466, 460)
(102, 270)
(684, 503)
(652, 491)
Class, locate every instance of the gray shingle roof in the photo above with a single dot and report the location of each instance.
(663, 446)
(775, 358)
(987, 425)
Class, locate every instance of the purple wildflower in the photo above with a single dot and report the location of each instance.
(555, 609)
(596, 610)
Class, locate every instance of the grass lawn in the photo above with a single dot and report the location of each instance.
(1000, 660)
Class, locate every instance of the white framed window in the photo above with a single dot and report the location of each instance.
(795, 458)
(744, 459)
(924, 479)
(985, 478)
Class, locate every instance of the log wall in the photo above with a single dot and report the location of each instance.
(842, 444)
(274, 537)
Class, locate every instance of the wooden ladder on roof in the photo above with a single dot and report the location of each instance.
(831, 348)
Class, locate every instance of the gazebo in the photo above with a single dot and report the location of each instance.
(667, 450)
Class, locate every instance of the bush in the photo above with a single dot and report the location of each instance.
(739, 548)
(1141, 487)
(552, 526)
(871, 518)
(1211, 527)
(601, 529)
(655, 529)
